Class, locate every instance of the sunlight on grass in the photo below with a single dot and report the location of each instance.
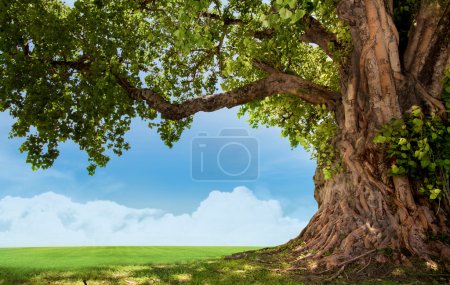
(184, 277)
(206, 272)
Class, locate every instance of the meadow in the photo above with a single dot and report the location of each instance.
(163, 265)
(54, 258)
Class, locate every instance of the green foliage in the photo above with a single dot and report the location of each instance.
(58, 65)
(419, 147)
(311, 127)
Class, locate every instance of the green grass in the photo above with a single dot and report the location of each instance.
(84, 257)
(175, 265)
(131, 265)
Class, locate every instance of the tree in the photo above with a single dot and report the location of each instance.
(358, 82)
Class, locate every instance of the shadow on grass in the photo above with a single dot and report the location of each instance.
(199, 272)
(218, 271)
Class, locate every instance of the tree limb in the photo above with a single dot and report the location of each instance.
(438, 56)
(317, 34)
(227, 21)
(275, 83)
(428, 49)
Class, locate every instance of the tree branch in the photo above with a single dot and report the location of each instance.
(428, 49)
(227, 21)
(317, 34)
(438, 56)
(80, 64)
(264, 67)
(275, 83)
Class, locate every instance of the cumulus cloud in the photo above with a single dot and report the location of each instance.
(223, 218)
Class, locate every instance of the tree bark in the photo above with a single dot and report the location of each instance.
(363, 210)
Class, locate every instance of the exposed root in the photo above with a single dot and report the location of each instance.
(434, 103)
(343, 264)
(365, 266)
(336, 274)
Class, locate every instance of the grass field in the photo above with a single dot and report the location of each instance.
(84, 257)
(124, 265)
(168, 265)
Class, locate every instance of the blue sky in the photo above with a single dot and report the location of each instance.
(153, 184)
(152, 176)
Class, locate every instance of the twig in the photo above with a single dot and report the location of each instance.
(439, 206)
(279, 270)
(350, 260)
(264, 66)
(337, 273)
(365, 266)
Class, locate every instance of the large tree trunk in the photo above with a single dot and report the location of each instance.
(363, 210)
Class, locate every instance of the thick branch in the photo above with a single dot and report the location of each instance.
(226, 20)
(275, 83)
(80, 64)
(317, 34)
(428, 51)
(438, 56)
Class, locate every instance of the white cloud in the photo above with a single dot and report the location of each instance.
(236, 218)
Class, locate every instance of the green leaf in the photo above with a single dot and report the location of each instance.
(292, 3)
(424, 163)
(273, 19)
(416, 111)
(394, 169)
(298, 15)
(379, 139)
(434, 193)
(247, 42)
(285, 13)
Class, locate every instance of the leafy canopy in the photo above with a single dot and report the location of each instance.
(59, 67)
